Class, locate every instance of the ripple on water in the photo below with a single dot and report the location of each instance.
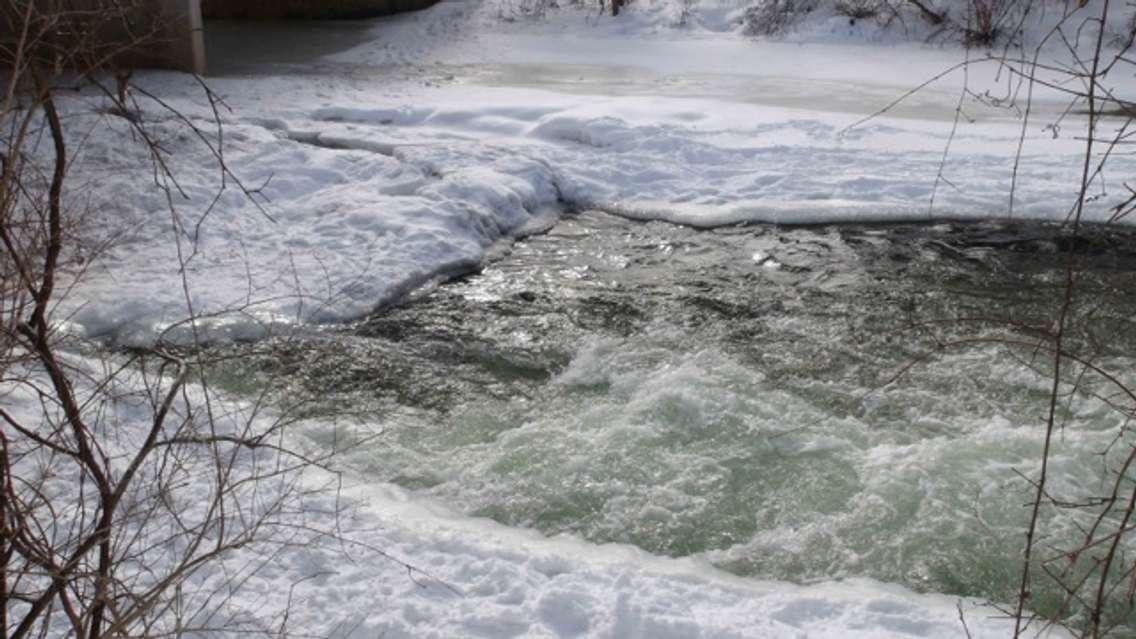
(660, 386)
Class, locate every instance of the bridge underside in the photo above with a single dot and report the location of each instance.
(308, 9)
(172, 30)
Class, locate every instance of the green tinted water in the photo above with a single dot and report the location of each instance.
(725, 394)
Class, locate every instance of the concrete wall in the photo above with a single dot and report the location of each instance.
(175, 39)
(184, 34)
(308, 8)
(179, 42)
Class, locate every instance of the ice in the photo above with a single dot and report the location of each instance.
(399, 565)
(363, 202)
(491, 581)
(373, 173)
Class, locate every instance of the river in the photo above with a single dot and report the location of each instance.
(800, 404)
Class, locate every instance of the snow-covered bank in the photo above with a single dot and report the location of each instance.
(485, 580)
(416, 143)
(355, 560)
(412, 145)
(377, 180)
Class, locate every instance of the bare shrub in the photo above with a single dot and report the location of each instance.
(978, 23)
(1079, 574)
(526, 9)
(859, 9)
(986, 21)
(773, 17)
(926, 12)
(124, 477)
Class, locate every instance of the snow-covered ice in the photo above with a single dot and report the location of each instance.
(393, 564)
(403, 158)
(486, 580)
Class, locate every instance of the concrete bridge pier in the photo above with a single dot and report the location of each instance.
(184, 33)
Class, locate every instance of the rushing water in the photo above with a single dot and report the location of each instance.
(732, 393)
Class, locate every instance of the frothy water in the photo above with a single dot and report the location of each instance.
(729, 395)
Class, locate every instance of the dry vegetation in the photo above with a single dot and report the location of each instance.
(125, 479)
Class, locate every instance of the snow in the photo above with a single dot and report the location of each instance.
(373, 183)
(395, 565)
(488, 580)
(405, 155)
